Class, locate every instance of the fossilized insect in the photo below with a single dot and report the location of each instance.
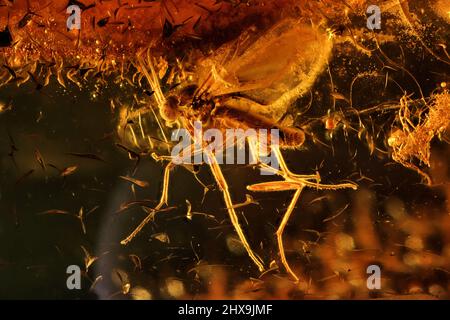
(246, 83)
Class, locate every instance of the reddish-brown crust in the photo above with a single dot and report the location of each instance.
(134, 25)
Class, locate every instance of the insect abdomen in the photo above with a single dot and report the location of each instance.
(290, 137)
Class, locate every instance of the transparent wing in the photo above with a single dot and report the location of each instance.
(273, 68)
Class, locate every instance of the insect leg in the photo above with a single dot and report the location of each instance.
(303, 179)
(280, 232)
(287, 173)
(222, 183)
(281, 186)
(291, 182)
(162, 202)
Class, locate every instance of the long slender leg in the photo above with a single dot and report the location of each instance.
(220, 179)
(283, 171)
(289, 176)
(280, 186)
(164, 196)
(294, 179)
(162, 202)
(280, 232)
(291, 182)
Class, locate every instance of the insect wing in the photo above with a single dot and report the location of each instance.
(273, 69)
